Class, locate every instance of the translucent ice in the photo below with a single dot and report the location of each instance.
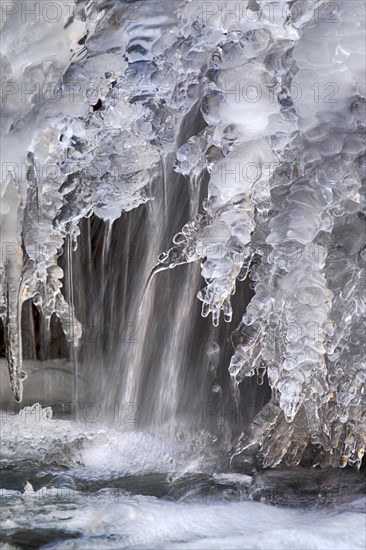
(280, 87)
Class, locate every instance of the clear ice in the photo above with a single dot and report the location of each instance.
(281, 88)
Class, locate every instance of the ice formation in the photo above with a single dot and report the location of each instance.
(281, 87)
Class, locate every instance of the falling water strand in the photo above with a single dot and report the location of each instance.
(73, 342)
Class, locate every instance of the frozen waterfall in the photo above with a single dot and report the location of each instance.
(225, 140)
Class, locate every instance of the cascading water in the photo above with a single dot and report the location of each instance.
(147, 147)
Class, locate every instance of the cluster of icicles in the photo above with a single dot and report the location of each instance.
(281, 88)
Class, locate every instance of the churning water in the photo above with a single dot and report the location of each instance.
(67, 484)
